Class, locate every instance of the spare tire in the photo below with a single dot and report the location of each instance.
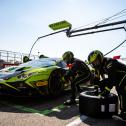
(97, 106)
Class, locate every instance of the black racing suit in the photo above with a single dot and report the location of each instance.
(78, 73)
(116, 72)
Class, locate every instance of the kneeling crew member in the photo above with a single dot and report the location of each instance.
(78, 73)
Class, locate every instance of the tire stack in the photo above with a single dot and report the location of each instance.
(96, 106)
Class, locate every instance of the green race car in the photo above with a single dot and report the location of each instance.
(41, 76)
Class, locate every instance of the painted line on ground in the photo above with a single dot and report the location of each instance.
(78, 121)
(32, 110)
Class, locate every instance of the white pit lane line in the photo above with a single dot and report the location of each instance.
(78, 121)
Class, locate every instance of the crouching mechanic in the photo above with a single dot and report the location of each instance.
(78, 73)
(116, 72)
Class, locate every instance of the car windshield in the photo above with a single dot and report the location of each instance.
(44, 62)
(38, 63)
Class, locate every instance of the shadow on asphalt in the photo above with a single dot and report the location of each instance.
(45, 105)
(103, 122)
(51, 107)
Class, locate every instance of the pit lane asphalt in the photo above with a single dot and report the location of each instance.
(46, 111)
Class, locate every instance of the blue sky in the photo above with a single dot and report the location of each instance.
(23, 21)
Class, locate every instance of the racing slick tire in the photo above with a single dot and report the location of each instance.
(55, 83)
(88, 88)
(96, 106)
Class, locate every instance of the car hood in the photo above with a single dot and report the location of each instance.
(31, 66)
(6, 74)
(11, 72)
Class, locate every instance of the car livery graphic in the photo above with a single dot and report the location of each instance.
(41, 76)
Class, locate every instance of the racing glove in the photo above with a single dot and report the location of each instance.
(105, 93)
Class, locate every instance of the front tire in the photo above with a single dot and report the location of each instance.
(55, 84)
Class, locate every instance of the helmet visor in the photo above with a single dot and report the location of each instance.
(95, 63)
(67, 59)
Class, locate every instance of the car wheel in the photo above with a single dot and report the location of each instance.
(97, 106)
(56, 85)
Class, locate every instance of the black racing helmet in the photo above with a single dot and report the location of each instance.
(68, 57)
(95, 58)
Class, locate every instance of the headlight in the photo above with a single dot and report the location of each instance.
(25, 75)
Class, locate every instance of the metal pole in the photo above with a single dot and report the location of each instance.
(96, 31)
(45, 36)
(98, 26)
